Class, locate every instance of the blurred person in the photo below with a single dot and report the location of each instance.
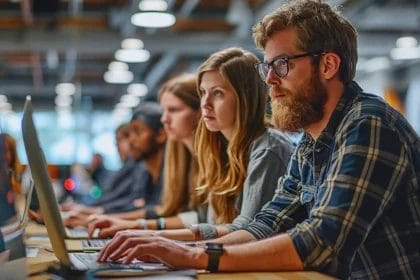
(239, 158)
(122, 138)
(180, 203)
(97, 170)
(13, 163)
(140, 177)
(349, 203)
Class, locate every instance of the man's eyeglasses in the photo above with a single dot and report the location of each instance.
(280, 65)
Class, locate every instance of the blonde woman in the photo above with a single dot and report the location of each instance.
(13, 163)
(239, 158)
(181, 112)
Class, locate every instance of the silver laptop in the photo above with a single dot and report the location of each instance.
(51, 214)
(41, 179)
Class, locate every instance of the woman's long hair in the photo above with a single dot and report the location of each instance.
(222, 164)
(15, 166)
(180, 168)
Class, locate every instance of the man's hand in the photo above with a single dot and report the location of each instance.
(119, 238)
(109, 226)
(131, 245)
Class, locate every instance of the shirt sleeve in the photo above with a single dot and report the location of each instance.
(188, 218)
(284, 210)
(367, 165)
(264, 170)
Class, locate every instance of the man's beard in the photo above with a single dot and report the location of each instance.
(145, 154)
(301, 107)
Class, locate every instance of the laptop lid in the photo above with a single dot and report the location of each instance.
(43, 186)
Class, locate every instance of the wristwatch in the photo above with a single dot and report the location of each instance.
(214, 251)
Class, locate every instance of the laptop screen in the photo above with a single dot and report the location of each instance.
(43, 186)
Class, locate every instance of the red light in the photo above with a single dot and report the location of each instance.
(69, 184)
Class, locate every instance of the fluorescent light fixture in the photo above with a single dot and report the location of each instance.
(121, 113)
(132, 44)
(3, 98)
(137, 89)
(63, 100)
(153, 5)
(118, 66)
(153, 19)
(406, 42)
(65, 89)
(405, 53)
(129, 101)
(133, 56)
(376, 64)
(118, 77)
(6, 107)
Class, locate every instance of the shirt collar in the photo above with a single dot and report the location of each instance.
(351, 90)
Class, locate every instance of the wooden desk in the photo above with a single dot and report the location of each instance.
(45, 257)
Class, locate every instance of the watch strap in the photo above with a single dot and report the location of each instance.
(214, 251)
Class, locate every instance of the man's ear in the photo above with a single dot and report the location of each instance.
(161, 136)
(329, 65)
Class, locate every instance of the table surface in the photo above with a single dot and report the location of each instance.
(46, 257)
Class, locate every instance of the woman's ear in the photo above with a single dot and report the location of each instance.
(329, 65)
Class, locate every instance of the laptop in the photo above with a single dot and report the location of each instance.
(52, 218)
(49, 207)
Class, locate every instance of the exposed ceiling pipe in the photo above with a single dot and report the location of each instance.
(37, 76)
(26, 8)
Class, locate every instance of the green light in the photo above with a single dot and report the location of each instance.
(95, 192)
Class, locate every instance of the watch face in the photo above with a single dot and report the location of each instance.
(214, 248)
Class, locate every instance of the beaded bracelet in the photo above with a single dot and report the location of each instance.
(160, 223)
(143, 223)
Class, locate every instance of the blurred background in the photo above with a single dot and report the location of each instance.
(87, 63)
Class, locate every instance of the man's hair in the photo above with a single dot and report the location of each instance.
(150, 114)
(123, 130)
(319, 27)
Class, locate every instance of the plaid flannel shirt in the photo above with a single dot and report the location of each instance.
(351, 200)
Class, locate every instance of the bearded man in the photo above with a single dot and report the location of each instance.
(349, 204)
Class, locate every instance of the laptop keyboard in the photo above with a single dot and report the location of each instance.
(97, 243)
(77, 232)
(89, 261)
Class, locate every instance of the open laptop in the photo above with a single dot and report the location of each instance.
(52, 218)
(43, 187)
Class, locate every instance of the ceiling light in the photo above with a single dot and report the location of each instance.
(118, 77)
(153, 5)
(3, 98)
(129, 101)
(137, 89)
(118, 66)
(5, 107)
(153, 19)
(132, 44)
(376, 64)
(63, 101)
(121, 114)
(65, 89)
(132, 56)
(406, 42)
(405, 53)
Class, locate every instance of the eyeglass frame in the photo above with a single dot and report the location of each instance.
(286, 59)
